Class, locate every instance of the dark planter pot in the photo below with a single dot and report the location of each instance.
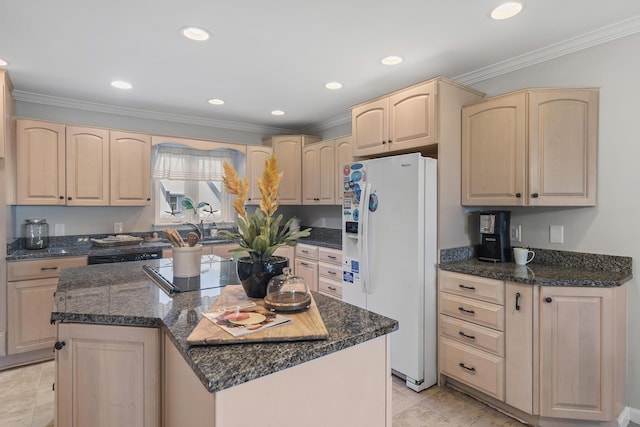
(255, 275)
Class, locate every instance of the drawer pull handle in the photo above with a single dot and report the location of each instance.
(518, 301)
(468, 368)
(48, 268)
(464, 310)
(304, 251)
(304, 263)
(333, 273)
(331, 288)
(471, 337)
(468, 288)
(332, 256)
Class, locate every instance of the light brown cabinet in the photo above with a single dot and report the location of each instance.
(81, 166)
(107, 375)
(582, 352)
(344, 155)
(330, 272)
(403, 120)
(535, 147)
(560, 357)
(6, 112)
(306, 264)
(30, 291)
(318, 173)
(257, 155)
(288, 150)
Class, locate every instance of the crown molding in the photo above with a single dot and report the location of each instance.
(56, 101)
(593, 38)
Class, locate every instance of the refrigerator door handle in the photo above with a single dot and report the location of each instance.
(364, 240)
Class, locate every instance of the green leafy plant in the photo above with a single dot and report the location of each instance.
(259, 233)
(187, 203)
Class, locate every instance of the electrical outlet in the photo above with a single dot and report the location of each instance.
(516, 233)
(58, 229)
(556, 234)
(117, 227)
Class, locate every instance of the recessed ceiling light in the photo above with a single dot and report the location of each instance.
(277, 113)
(333, 85)
(506, 10)
(3, 63)
(216, 101)
(121, 84)
(195, 33)
(391, 60)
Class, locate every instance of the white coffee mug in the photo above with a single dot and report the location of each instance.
(521, 256)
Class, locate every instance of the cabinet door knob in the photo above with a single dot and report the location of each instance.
(58, 345)
(68, 198)
(384, 142)
(148, 199)
(535, 195)
(548, 299)
(518, 195)
(61, 197)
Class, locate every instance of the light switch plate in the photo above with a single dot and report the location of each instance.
(556, 234)
(516, 233)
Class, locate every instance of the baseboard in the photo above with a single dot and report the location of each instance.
(628, 414)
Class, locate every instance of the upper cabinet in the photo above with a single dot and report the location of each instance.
(81, 166)
(322, 164)
(257, 155)
(6, 112)
(531, 148)
(130, 178)
(288, 150)
(403, 120)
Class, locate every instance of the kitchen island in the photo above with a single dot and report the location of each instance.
(344, 379)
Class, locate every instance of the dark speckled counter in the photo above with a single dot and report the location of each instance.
(549, 268)
(121, 294)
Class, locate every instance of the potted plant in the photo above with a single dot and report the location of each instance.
(260, 233)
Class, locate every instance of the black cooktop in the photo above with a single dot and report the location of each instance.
(215, 272)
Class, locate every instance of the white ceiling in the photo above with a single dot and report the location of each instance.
(265, 55)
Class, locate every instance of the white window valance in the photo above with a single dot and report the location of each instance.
(188, 164)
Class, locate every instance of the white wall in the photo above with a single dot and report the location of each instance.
(611, 227)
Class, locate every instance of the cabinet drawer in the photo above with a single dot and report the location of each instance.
(474, 367)
(330, 287)
(490, 290)
(42, 268)
(477, 336)
(306, 251)
(330, 271)
(332, 256)
(479, 312)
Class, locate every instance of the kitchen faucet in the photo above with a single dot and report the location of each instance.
(199, 228)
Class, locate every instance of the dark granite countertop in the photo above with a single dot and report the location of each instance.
(73, 246)
(549, 268)
(121, 294)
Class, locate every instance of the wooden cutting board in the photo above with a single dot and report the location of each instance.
(305, 325)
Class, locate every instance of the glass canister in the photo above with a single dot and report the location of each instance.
(287, 292)
(36, 233)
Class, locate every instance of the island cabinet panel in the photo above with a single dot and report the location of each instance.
(354, 386)
(107, 376)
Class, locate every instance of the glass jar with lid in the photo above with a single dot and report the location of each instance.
(287, 292)
(36, 233)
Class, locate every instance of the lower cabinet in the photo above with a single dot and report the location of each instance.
(306, 264)
(555, 354)
(330, 272)
(107, 376)
(30, 289)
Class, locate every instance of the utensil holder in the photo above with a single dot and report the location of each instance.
(186, 261)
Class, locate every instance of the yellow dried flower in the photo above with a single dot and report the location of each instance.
(269, 184)
(237, 186)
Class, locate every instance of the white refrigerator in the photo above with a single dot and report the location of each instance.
(389, 244)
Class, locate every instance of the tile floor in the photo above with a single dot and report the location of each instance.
(26, 399)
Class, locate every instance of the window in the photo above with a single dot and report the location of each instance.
(184, 173)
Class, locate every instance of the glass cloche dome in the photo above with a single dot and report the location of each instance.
(287, 292)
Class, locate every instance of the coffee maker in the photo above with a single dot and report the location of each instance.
(495, 243)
